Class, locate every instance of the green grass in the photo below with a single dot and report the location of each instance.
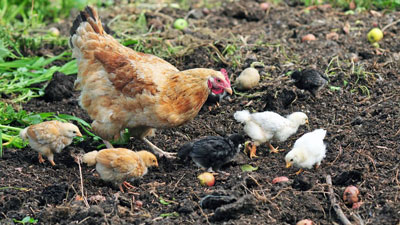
(360, 4)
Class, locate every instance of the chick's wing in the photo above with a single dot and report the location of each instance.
(211, 147)
(120, 160)
(45, 133)
(270, 121)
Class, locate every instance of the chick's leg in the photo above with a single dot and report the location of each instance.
(41, 160)
(158, 151)
(108, 144)
(273, 150)
(298, 172)
(51, 159)
(251, 148)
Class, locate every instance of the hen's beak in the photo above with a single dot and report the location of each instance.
(288, 164)
(229, 90)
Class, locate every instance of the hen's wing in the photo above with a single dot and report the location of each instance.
(270, 121)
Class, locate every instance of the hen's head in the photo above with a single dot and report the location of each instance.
(70, 130)
(148, 158)
(219, 82)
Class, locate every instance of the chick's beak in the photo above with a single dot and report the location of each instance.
(229, 90)
(79, 134)
(288, 164)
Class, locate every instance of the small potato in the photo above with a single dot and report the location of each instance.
(350, 195)
(247, 79)
(280, 179)
(305, 222)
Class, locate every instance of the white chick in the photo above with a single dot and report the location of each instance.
(247, 79)
(50, 137)
(307, 151)
(266, 126)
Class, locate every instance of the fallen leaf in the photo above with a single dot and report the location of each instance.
(332, 36)
(346, 28)
(248, 168)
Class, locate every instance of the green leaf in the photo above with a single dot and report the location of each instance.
(334, 88)
(248, 168)
(162, 201)
(174, 214)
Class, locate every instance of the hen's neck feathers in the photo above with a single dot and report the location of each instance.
(184, 94)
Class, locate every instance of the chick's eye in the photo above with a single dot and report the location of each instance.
(291, 160)
(73, 132)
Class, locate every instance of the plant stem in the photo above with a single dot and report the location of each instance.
(10, 128)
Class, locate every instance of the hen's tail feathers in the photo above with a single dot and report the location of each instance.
(88, 15)
(23, 134)
(242, 116)
(90, 158)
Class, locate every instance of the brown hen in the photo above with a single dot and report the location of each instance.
(122, 88)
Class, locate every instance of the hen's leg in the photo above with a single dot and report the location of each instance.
(108, 144)
(273, 150)
(158, 151)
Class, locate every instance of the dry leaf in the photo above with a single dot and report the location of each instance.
(332, 36)
(346, 28)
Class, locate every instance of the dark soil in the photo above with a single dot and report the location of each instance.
(363, 131)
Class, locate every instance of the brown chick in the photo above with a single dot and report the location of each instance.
(119, 164)
(50, 137)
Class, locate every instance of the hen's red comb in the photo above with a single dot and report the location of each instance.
(223, 71)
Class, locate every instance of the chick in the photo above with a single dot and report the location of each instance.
(310, 79)
(308, 150)
(50, 137)
(119, 164)
(266, 126)
(247, 79)
(212, 152)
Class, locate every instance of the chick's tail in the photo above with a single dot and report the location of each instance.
(320, 133)
(90, 158)
(23, 134)
(242, 116)
(185, 150)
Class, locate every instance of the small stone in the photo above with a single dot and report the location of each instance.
(215, 201)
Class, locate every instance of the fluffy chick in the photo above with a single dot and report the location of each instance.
(50, 137)
(308, 150)
(266, 126)
(310, 79)
(248, 79)
(212, 152)
(119, 164)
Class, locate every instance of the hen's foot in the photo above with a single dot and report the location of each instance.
(158, 151)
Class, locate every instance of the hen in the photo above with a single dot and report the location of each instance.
(119, 164)
(50, 137)
(212, 152)
(308, 150)
(310, 79)
(266, 126)
(122, 88)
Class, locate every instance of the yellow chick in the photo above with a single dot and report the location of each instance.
(50, 137)
(119, 164)
(247, 79)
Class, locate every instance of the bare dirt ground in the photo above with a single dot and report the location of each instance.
(362, 120)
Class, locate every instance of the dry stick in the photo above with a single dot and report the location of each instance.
(334, 203)
(389, 25)
(78, 160)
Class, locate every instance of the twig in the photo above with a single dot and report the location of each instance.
(389, 25)
(78, 161)
(334, 203)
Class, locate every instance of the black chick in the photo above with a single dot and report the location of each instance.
(310, 79)
(214, 99)
(212, 152)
